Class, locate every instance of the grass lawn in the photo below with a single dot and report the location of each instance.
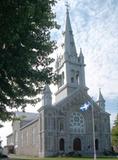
(61, 158)
(68, 159)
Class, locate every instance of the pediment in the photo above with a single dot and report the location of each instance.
(75, 101)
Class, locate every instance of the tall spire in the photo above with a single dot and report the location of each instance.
(101, 101)
(67, 6)
(70, 49)
(81, 70)
(100, 95)
(81, 58)
(69, 66)
(46, 96)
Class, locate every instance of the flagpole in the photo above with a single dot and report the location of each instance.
(93, 127)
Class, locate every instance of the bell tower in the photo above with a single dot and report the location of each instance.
(101, 101)
(46, 96)
(69, 66)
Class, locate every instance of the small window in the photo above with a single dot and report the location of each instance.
(77, 75)
(72, 73)
(61, 79)
(72, 80)
(61, 126)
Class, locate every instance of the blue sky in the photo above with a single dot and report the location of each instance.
(95, 29)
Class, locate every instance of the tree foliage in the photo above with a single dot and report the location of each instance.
(115, 132)
(25, 46)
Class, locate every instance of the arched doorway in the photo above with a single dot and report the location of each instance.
(96, 144)
(61, 144)
(77, 144)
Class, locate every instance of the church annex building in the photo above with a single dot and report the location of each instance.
(63, 127)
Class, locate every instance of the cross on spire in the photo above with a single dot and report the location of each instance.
(67, 6)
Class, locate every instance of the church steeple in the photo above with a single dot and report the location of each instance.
(69, 66)
(69, 44)
(101, 101)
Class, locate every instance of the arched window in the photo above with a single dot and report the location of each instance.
(96, 144)
(61, 79)
(61, 144)
(77, 75)
(72, 76)
(72, 79)
(61, 126)
(77, 144)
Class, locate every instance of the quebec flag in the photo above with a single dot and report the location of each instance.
(85, 106)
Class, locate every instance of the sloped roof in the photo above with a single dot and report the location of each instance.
(26, 117)
(10, 135)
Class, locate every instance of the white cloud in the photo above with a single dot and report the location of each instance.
(5, 131)
(95, 28)
(95, 25)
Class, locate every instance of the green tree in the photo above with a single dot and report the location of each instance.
(25, 46)
(115, 132)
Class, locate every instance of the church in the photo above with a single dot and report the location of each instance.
(74, 123)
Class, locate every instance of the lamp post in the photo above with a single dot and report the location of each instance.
(93, 128)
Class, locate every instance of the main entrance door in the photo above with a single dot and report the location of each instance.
(77, 144)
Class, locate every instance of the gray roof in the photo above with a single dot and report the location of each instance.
(26, 117)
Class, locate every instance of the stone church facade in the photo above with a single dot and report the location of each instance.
(62, 127)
